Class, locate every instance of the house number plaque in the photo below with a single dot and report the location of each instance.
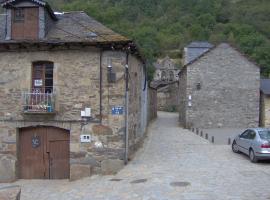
(35, 141)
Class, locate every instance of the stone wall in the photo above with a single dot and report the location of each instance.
(77, 86)
(265, 111)
(152, 104)
(223, 88)
(137, 91)
(182, 96)
(168, 97)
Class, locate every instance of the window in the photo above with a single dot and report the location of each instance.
(163, 76)
(252, 135)
(265, 135)
(171, 76)
(19, 15)
(42, 77)
(245, 134)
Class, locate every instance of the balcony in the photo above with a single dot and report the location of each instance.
(38, 103)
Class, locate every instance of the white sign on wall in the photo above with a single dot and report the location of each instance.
(85, 138)
(38, 82)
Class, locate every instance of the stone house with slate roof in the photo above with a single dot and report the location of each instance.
(219, 88)
(63, 81)
(265, 103)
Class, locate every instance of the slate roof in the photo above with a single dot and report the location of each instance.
(73, 27)
(200, 44)
(8, 2)
(265, 86)
(78, 26)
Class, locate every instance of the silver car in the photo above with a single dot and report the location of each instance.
(255, 142)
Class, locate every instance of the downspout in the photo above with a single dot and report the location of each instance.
(100, 85)
(126, 109)
(6, 23)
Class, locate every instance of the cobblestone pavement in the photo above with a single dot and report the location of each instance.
(174, 164)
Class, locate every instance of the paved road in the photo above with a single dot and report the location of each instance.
(174, 164)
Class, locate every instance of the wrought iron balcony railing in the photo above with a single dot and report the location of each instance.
(38, 102)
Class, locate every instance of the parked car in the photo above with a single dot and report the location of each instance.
(254, 142)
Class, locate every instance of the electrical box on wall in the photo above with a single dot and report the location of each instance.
(85, 138)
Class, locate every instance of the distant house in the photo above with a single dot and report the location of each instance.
(219, 88)
(166, 70)
(63, 83)
(166, 82)
(265, 103)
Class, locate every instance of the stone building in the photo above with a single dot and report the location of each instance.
(167, 95)
(220, 88)
(166, 82)
(265, 103)
(166, 70)
(63, 81)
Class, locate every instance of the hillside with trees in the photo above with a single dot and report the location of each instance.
(164, 27)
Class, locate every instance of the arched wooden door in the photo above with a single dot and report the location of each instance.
(43, 153)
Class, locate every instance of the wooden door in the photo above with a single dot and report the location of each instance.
(44, 153)
(32, 152)
(58, 149)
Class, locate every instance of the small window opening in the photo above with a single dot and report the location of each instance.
(198, 86)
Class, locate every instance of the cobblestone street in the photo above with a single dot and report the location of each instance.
(173, 164)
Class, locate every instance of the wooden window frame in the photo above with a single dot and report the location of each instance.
(44, 66)
(19, 15)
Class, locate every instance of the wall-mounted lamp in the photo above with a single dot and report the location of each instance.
(111, 75)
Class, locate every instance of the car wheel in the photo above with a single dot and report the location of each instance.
(252, 156)
(235, 148)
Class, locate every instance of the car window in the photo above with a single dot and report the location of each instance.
(251, 135)
(265, 135)
(245, 134)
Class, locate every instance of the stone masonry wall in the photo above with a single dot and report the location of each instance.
(168, 97)
(137, 90)
(228, 92)
(77, 85)
(182, 96)
(152, 104)
(265, 111)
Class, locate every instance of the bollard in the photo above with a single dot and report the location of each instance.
(206, 136)
(201, 133)
(197, 131)
(229, 141)
(213, 139)
(192, 129)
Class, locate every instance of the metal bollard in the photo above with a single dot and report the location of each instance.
(201, 133)
(192, 129)
(206, 136)
(213, 139)
(229, 141)
(197, 131)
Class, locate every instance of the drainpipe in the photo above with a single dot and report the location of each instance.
(6, 24)
(126, 109)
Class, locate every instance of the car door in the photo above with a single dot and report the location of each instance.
(242, 141)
